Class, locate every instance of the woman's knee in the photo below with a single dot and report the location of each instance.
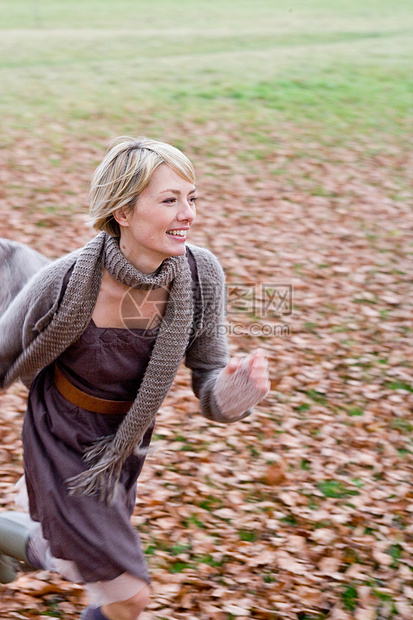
(140, 600)
(129, 609)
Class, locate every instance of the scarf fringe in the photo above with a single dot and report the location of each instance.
(103, 477)
(93, 454)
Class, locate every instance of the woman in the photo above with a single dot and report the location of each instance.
(98, 336)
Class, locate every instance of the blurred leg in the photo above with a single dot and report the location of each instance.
(129, 609)
(15, 531)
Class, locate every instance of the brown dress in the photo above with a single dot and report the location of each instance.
(108, 363)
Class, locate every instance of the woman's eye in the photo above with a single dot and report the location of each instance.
(170, 200)
(193, 199)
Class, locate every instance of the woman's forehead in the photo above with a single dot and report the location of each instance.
(165, 178)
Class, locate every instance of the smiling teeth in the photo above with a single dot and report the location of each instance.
(178, 233)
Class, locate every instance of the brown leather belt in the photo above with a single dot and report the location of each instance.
(86, 401)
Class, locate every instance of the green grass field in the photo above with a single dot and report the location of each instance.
(338, 67)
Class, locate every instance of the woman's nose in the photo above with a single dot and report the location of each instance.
(187, 212)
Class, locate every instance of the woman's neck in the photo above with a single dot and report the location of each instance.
(144, 263)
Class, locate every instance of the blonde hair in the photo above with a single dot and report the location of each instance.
(124, 173)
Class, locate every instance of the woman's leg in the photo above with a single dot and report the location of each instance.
(129, 609)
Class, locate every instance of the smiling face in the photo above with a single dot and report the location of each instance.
(158, 225)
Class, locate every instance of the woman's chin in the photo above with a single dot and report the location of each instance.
(178, 250)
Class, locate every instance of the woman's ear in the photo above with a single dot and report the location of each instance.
(121, 216)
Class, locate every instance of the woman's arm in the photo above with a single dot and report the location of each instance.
(12, 324)
(227, 389)
(31, 311)
(18, 263)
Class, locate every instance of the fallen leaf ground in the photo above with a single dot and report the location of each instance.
(302, 511)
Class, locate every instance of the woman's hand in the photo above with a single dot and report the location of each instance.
(242, 384)
(257, 365)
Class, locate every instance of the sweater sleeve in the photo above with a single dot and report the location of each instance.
(29, 313)
(11, 331)
(18, 263)
(208, 355)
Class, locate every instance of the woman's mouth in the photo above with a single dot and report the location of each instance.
(178, 233)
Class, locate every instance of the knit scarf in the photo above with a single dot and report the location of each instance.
(106, 456)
